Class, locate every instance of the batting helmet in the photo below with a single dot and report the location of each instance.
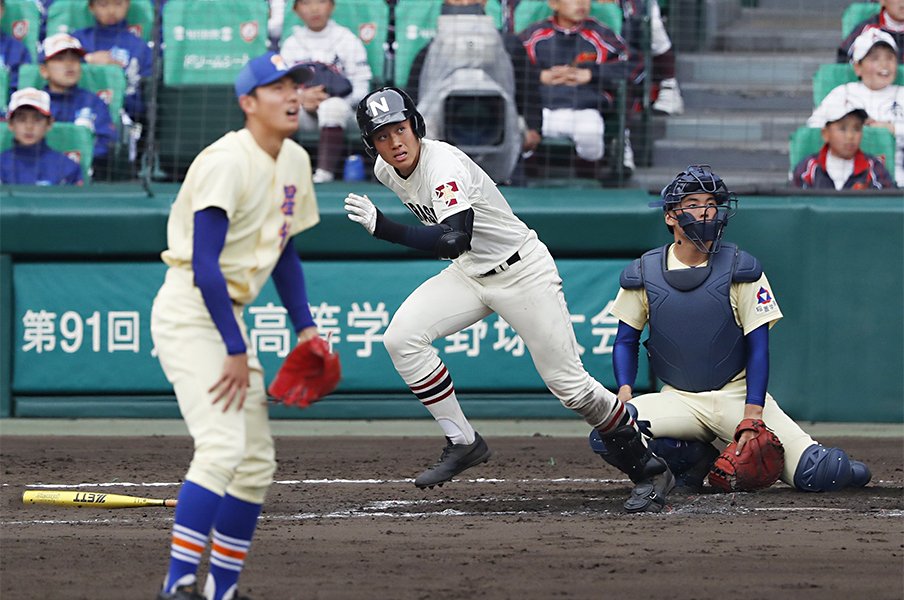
(383, 106)
(699, 179)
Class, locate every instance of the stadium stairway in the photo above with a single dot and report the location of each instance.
(745, 93)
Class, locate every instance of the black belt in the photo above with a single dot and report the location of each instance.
(504, 266)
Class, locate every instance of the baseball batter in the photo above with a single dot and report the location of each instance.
(498, 265)
(709, 308)
(229, 230)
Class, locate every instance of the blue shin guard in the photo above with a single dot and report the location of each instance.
(822, 469)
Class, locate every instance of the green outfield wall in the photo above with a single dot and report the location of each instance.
(79, 268)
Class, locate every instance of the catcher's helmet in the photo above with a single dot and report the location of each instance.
(383, 106)
(699, 179)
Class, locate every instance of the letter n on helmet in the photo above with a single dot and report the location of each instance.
(382, 107)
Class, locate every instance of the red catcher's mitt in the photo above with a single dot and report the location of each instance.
(759, 465)
(309, 373)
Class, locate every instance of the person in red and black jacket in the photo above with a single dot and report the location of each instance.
(840, 164)
(581, 64)
(890, 19)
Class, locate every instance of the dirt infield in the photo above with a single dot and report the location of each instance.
(541, 520)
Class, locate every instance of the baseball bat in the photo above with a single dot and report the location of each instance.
(95, 499)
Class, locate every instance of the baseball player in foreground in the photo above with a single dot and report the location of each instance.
(229, 230)
(709, 308)
(498, 265)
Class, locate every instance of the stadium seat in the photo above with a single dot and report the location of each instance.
(66, 16)
(107, 81)
(830, 76)
(855, 14)
(877, 141)
(189, 118)
(22, 20)
(4, 89)
(368, 18)
(207, 42)
(75, 141)
(531, 11)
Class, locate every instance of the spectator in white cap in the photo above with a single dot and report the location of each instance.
(874, 58)
(889, 19)
(841, 164)
(31, 161)
(61, 65)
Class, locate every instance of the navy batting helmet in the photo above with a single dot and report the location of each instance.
(382, 107)
(699, 179)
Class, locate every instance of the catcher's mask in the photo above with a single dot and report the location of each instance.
(382, 107)
(699, 179)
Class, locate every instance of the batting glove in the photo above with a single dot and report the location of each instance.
(361, 210)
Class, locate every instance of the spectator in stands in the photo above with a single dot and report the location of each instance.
(874, 57)
(31, 161)
(341, 78)
(890, 20)
(13, 53)
(665, 88)
(840, 164)
(110, 42)
(61, 65)
(581, 63)
(527, 76)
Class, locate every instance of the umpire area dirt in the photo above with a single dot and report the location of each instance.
(541, 520)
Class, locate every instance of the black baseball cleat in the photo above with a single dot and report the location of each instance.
(649, 495)
(455, 459)
(183, 592)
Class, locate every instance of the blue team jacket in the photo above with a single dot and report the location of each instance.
(80, 106)
(12, 54)
(129, 50)
(38, 165)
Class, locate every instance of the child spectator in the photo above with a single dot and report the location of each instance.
(31, 161)
(61, 65)
(581, 62)
(110, 42)
(874, 57)
(13, 53)
(341, 78)
(841, 165)
(890, 20)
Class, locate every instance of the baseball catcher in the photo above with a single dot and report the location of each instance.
(310, 372)
(709, 308)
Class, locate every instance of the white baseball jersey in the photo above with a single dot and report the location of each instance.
(445, 182)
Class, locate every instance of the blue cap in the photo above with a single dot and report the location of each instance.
(266, 69)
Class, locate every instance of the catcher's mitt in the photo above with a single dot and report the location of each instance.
(309, 373)
(759, 465)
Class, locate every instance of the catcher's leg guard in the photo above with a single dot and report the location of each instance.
(689, 461)
(625, 450)
(822, 469)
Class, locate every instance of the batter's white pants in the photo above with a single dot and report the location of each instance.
(529, 297)
(705, 416)
(234, 451)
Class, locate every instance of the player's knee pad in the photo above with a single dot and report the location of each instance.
(333, 112)
(822, 469)
(624, 449)
(689, 461)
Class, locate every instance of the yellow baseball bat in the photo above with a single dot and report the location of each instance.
(95, 499)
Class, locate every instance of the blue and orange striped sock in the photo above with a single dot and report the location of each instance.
(195, 513)
(232, 532)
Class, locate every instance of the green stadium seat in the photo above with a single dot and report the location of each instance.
(877, 141)
(107, 81)
(367, 18)
(531, 11)
(66, 16)
(73, 140)
(22, 20)
(4, 89)
(416, 26)
(830, 76)
(207, 42)
(855, 14)
(189, 118)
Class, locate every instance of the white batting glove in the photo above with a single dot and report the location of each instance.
(361, 210)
